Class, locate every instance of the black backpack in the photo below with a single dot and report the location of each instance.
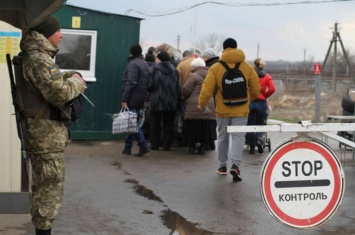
(234, 86)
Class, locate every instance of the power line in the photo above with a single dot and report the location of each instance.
(186, 8)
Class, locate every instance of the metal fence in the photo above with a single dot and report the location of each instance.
(297, 84)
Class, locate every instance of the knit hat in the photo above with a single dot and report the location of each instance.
(136, 50)
(229, 43)
(186, 53)
(198, 62)
(208, 53)
(48, 27)
(149, 57)
(163, 56)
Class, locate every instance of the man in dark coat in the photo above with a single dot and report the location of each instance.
(134, 94)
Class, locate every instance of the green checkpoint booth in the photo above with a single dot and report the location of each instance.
(101, 41)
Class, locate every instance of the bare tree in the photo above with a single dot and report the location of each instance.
(212, 40)
(341, 65)
(306, 67)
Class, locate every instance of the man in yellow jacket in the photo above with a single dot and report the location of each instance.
(227, 115)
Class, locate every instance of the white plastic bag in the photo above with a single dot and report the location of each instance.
(124, 122)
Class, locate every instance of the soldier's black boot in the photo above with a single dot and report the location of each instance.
(43, 232)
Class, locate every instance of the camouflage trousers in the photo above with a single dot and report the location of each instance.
(48, 175)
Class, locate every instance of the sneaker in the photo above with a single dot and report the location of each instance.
(259, 146)
(222, 170)
(252, 151)
(127, 151)
(235, 172)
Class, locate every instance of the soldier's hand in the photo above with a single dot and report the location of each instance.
(78, 76)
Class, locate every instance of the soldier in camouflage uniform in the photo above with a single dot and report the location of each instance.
(47, 132)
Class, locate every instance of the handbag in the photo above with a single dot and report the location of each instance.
(124, 122)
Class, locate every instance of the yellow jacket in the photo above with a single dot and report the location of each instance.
(213, 80)
(184, 69)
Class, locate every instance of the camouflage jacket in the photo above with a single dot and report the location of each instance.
(42, 76)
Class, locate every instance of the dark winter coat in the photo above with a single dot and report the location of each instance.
(211, 61)
(164, 88)
(135, 83)
(191, 92)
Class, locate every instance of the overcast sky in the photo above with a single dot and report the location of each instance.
(286, 30)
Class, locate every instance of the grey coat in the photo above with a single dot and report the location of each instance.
(164, 88)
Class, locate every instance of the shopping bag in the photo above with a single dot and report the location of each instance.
(124, 122)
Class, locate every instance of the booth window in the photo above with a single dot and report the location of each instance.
(77, 51)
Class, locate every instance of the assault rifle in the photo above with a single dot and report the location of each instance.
(20, 128)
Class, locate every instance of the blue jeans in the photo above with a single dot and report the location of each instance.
(139, 136)
(257, 115)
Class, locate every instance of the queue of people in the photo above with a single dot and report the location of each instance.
(156, 81)
(194, 86)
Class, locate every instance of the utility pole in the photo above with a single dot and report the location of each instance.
(304, 61)
(304, 55)
(178, 42)
(334, 40)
